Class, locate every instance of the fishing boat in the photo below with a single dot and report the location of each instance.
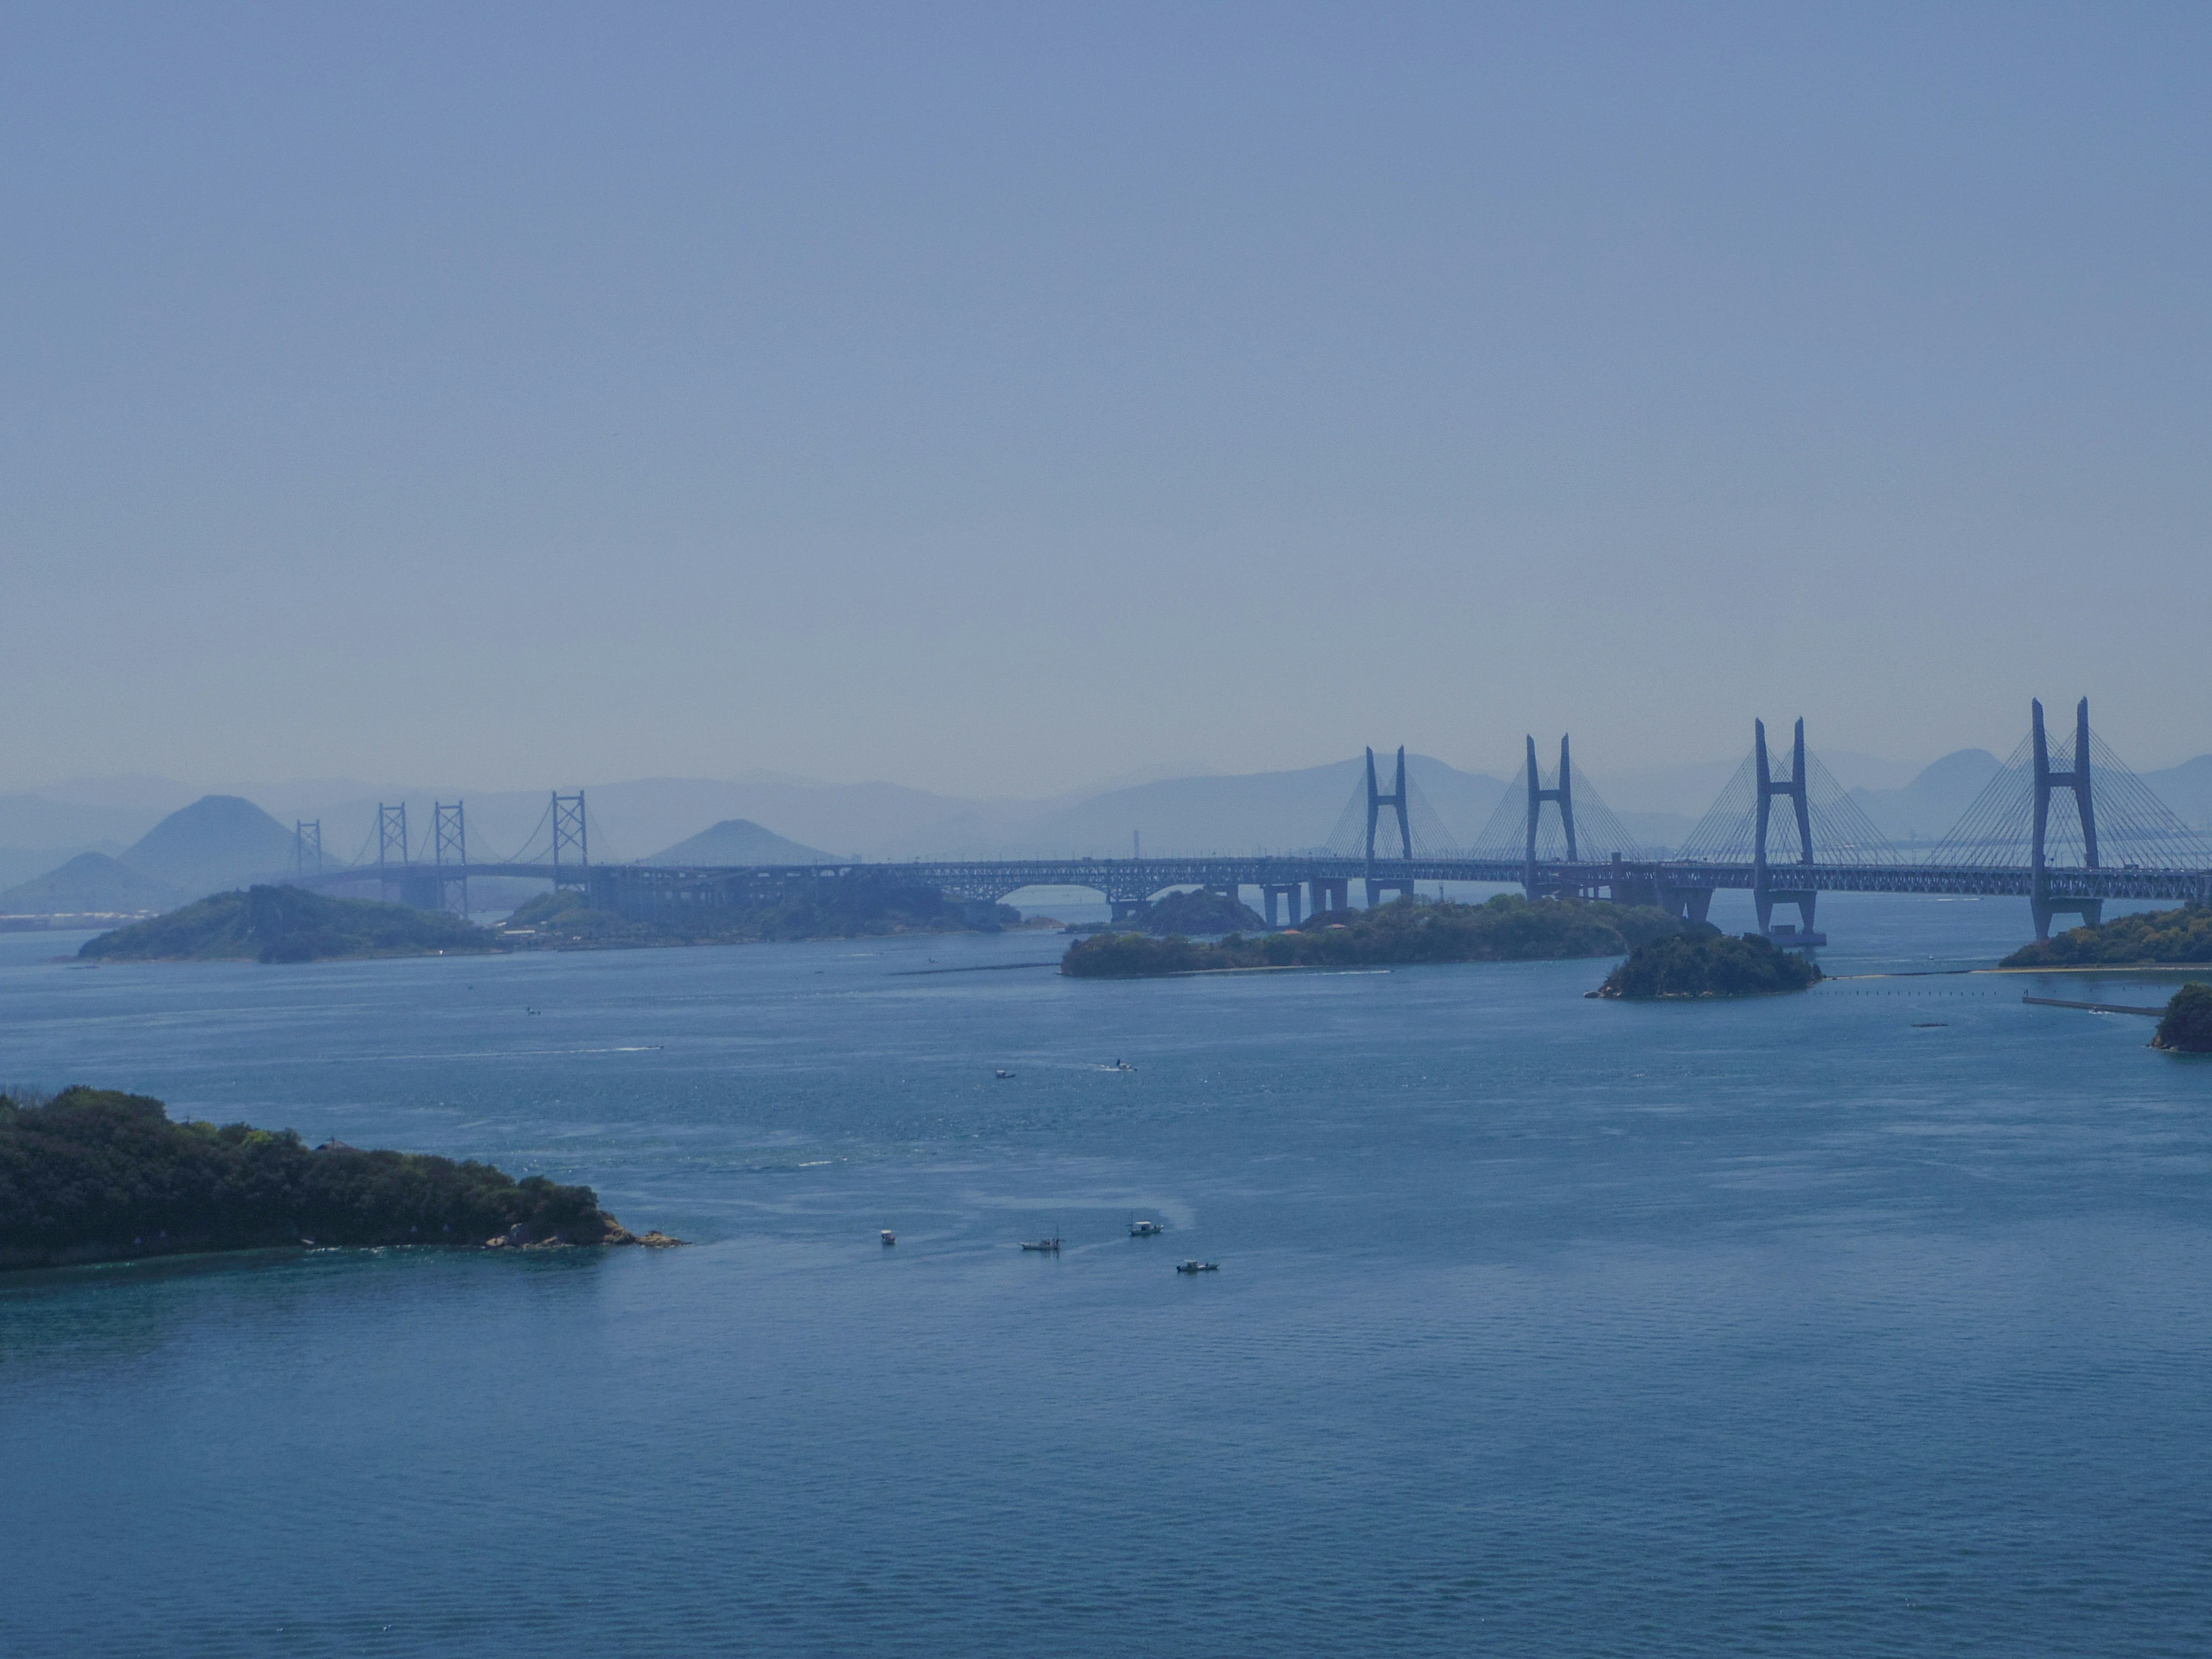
(1147, 1229)
(1003, 1072)
(1052, 1243)
(890, 1237)
(1195, 1265)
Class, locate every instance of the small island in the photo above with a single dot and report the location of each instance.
(95, 1175)
(867, 908)
(1507, 928)
(2187, 1027)
(1193, 911)
(1703, 962)
(2170, 937)
(287, 924)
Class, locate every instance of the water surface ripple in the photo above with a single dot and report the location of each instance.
(1872, 1322)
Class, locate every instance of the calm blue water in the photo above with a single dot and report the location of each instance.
(1871, 1322)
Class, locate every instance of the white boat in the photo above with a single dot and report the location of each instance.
(1195, 1265)
(1147, 1229)
(1051, 1244)
(890, 1237)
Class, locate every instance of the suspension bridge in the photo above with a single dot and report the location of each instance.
(2064, 823)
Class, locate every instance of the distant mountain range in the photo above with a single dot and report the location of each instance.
(217, 842)
(108, 849)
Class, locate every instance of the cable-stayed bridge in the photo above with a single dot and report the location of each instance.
(2064, 824)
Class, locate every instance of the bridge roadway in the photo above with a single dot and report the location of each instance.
(646, 889)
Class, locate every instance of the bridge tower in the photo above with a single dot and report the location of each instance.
(1377, 882)
(1564, 798)
(568, 831)
(306, 846)
(449, 837)
(391, 847)
(1764, 894)
(2040, 899)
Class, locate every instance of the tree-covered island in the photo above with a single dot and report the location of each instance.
(2187, 1027)
(289, 924)
(2182, 936)
(856, 908)
(1507, 928)
(1703, 962)
(93, 1175)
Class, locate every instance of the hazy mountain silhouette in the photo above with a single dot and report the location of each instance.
(1924, 808)
(218, 841)
(1259, 812)
(738, 840)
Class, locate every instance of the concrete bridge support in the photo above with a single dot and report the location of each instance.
(1377, 884)
(1275, 891)
(1688, 903)
(2041, 902)
(1564, 798)
(1331, 893)
(1395, 886)
(1766, 892)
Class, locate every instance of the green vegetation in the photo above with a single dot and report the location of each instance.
(1505, 929)
(286, 924)
(855, 908)
(2183, 935)
(2187, 1027)
(95, 1174)
(1705, 962)
(1195, 912)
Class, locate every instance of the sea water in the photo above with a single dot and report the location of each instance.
(1872, 1320)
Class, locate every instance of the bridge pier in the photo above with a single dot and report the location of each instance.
(1275, 891)
(1378, 883)
(1124, 908)
(1684, 903)
(1331, 893)
(422, 887)
(1564, 797)
(1764, 894)
(2042, 902)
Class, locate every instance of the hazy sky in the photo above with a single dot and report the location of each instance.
(998, 398)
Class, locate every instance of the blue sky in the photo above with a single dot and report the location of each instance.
(996, 399)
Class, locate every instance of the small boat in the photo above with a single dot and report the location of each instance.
(1003, 1072)
(1051, 1244)
(1147, 1229)
(1195, 1265)
(890, 1237)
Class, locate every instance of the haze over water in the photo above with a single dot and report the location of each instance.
(1868, 1321)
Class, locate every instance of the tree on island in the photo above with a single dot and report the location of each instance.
(95, 1175)
(2187, 1027)
(287, 924)
(1707, 962)
(2180, 935)
(1507, 928)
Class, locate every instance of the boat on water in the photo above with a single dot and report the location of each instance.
(1147, 1229)
(890, 1237)
(1003, 1072)
(1052, 1243)
(1195, 1265)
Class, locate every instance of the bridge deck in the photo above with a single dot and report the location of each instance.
(1128, 879)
